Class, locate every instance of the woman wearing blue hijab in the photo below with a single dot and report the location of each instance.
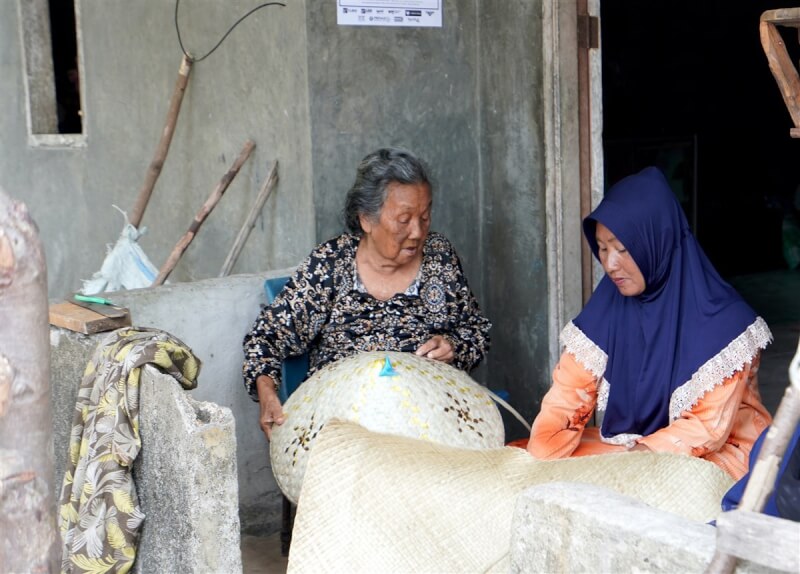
(665, 353)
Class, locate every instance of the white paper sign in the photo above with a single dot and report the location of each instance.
(418, 13)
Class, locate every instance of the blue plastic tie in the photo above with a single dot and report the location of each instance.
(387, 370)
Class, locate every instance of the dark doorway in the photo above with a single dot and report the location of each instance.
(686, 84)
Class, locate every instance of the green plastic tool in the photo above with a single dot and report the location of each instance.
(93, 299)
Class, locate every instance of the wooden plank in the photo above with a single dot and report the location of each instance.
(783, 17)
(759, 538)
(202, 214)
(782, 68)
(266, 190)
(82, 320)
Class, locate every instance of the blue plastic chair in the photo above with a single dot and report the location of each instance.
(293, 372)
(294, 369)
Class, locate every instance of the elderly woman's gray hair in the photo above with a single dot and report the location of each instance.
(374, 174)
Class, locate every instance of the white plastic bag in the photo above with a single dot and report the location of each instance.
(126, 266)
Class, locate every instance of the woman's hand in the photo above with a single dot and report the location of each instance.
(271, 410)
(438, 348)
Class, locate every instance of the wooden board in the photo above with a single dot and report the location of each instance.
(766, 540)
(82, 320)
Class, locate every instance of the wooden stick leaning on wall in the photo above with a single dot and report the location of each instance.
(204, 211)
(160, 156)
(250, 221)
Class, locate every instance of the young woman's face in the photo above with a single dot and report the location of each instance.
(618, 263)
(400, 231)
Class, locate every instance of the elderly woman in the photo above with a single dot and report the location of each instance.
(388, 284)
(665, 351)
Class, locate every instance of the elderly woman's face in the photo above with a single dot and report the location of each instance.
(618, 263)
(400, 231)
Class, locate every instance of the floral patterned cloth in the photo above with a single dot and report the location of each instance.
(324, 310)
(99, 514)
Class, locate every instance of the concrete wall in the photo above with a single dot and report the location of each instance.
(317, 97)
(211, 317)
(186, 482)
(254, 86)
(185, 474)
(571, 527)
(476, 98)
(513, 156)
(468, 99)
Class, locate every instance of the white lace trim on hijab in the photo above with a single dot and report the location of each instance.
(593, 359)
(628, 440)
(721, 366)
(585, 351)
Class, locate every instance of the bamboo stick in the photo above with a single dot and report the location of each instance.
(250, 221)
(160, 156)
(762, 478)
(202, 214)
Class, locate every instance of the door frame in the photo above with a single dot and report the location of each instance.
(573, 153)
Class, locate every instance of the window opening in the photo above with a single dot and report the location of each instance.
(64, 40)
(51, 61)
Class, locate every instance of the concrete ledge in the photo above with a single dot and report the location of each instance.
(570, 527)
(186, 480)
(211, 317)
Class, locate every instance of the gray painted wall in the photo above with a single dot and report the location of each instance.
(513, 177)
(254, 86)
(317, 97)
(468, 99)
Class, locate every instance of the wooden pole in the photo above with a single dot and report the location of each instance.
(765, 471)
(250, 221)
(207, 207)
(163, 145)
(28, 537)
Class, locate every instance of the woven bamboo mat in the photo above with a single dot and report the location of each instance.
(380, 503)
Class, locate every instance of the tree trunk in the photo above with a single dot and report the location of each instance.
(28, 540)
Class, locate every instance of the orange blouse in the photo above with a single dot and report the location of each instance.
(721, 426)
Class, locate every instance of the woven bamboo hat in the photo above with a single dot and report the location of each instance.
(387, 392)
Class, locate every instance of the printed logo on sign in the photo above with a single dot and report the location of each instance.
(401, 13)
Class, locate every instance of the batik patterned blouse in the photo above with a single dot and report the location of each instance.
(326, 311)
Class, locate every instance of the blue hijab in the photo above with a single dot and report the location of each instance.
(686, 315)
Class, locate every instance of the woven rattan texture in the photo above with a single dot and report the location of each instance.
(378, 503)
(387, 392)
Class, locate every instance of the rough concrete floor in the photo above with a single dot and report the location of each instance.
(774, 295)
(262, 555)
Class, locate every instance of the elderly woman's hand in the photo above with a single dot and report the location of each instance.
(271, 410)
(438, 348)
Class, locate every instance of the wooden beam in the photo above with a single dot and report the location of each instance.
(759, 538)
(780, 64)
